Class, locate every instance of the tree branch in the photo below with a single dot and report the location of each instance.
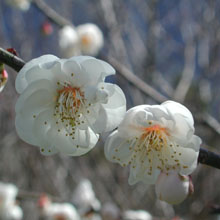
(136, 81)
(209, 158)
(51, 14)
(11, 60)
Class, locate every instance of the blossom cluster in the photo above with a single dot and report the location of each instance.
(9, 210)
(84, 39)
(65, 104)
(83, 206)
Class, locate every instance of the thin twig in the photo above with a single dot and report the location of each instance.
(188, 73)
(51, 14)
(11, 60)
(36, 195)
(211, 122)
(136, 81)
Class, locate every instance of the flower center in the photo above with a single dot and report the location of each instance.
(70, 107)
(154, 137)
(86, 40)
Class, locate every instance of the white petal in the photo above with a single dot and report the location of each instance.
(95, 69)
(134, 119)
(85, 138)
(117, 149)
(112, 113)
(33, 101)
(23, 130)
(48, 150)
(172, 187)
(49, 135)
(194, 143)
(143, 170)
(82, 146)
(182, 131)
(177, 108)
(21, 82)
(188, 160)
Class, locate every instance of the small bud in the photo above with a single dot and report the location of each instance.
(3, 79)
(47, 28)
(13, 51)
(173, 188)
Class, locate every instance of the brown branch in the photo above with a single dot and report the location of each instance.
(11, 60)
(209, 158)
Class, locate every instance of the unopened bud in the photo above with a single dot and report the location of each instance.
(173, 188)
(3, 79)
(47, 28)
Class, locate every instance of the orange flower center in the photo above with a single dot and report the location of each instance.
(154, 136)
(85, 40)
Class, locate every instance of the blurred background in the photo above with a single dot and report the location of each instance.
(174, 46)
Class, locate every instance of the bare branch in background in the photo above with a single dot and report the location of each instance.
(136, 81)
(211, 122)
(51, 14)
(188, 73)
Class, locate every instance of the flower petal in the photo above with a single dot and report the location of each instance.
(21, 82)
(117, 149)
(176, 108)
(111, 113)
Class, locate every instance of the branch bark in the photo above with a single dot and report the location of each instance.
(11, 60)
(209, 158)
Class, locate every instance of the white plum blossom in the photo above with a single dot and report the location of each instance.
(12, 212)
(56, 211)
(8, 193)
(64, 103)
(3, 79)
(9, 210)
(20, 4)
(90, 38)
(172, 187)
(69, 42)
(154, 139)
(84, 197)
(136, 215)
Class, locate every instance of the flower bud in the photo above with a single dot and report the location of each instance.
(172, 187)
(3, 79)
(47, 28)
